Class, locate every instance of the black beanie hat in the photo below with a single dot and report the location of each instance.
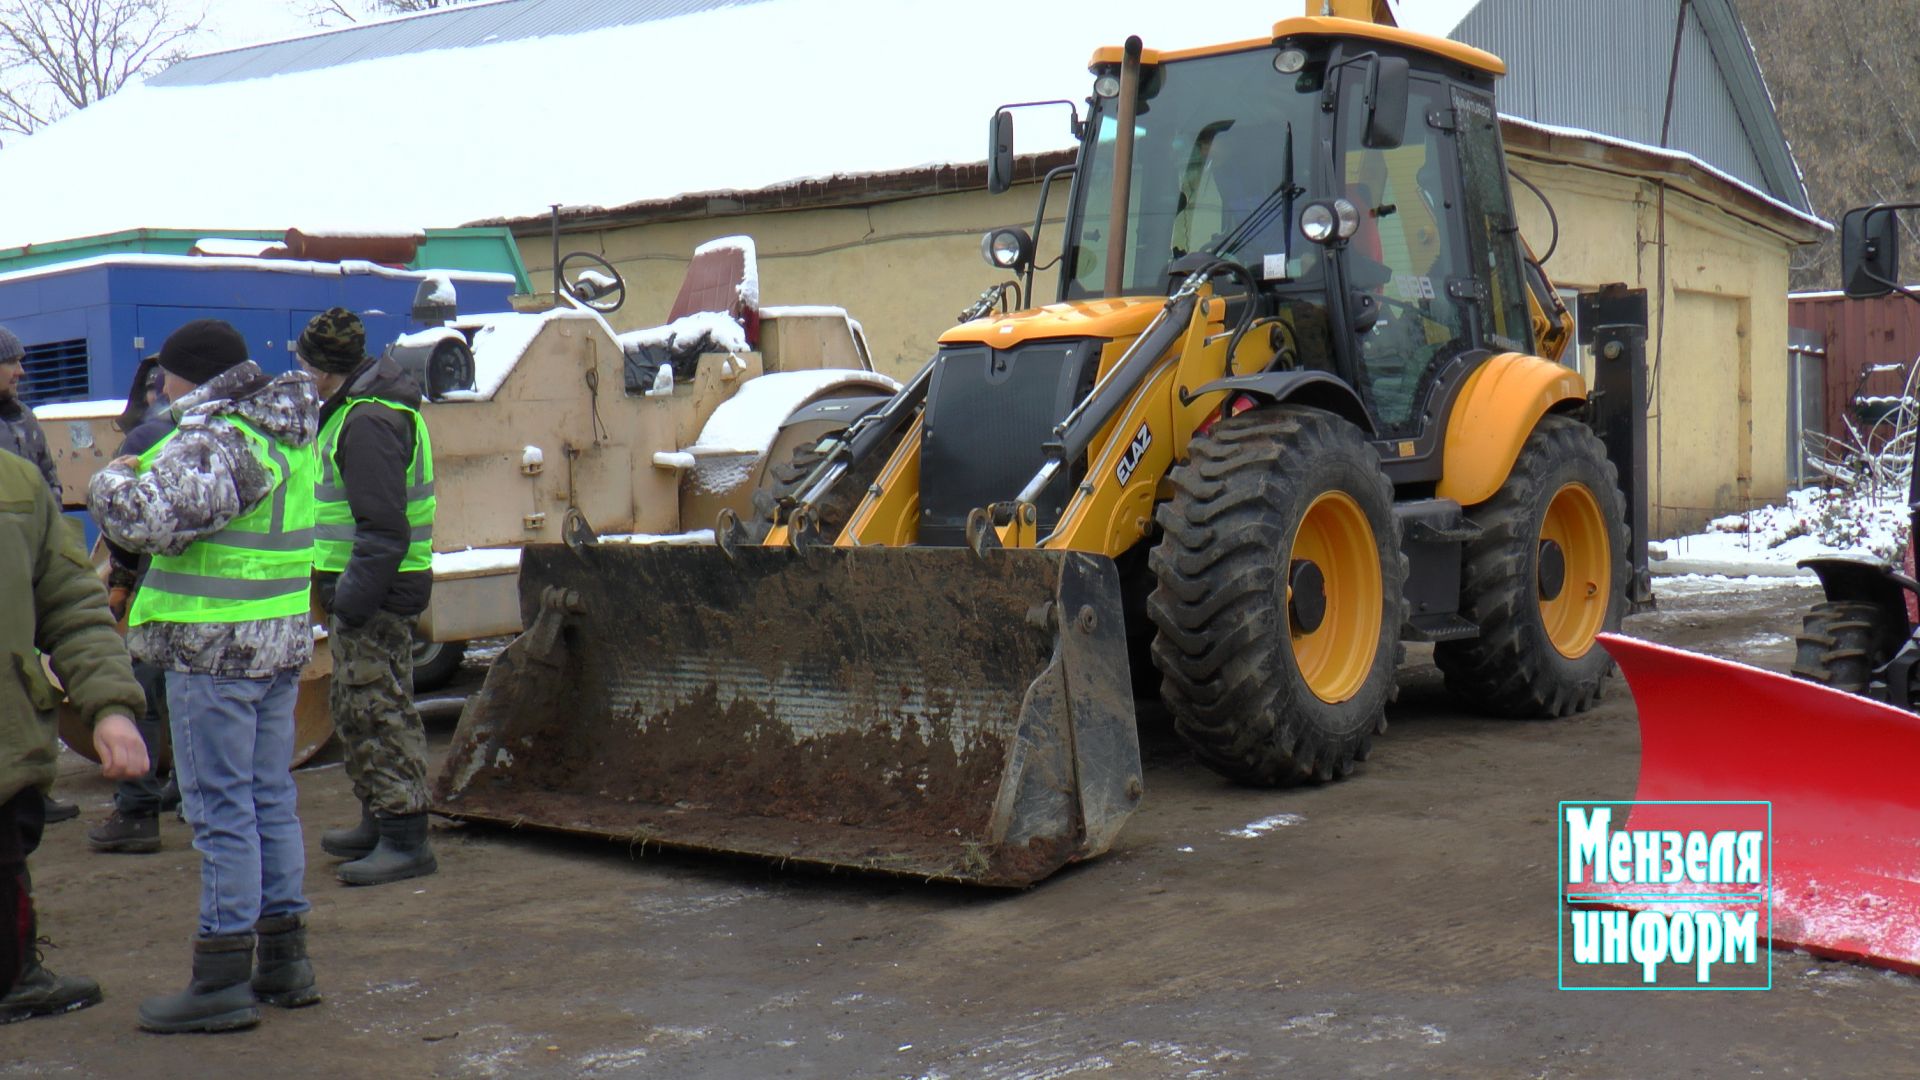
(202, 349)
(335, 341)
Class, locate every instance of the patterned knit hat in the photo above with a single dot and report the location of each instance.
(334, 342)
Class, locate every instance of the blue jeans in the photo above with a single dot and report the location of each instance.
(233, 754)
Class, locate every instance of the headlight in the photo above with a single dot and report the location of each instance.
(1107, 86)
(1346, 218)
(1289, 61)
(1317, 222)
(1008, 249)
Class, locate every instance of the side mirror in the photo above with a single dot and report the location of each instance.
(1386, 102)
(1000, 153)
(1869, 252)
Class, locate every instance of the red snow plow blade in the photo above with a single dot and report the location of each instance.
(1842, 773)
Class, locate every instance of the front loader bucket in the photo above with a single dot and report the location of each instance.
(1842, 773)
(922, 711)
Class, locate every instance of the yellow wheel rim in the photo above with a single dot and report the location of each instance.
(1337, 654)
(1574, 615)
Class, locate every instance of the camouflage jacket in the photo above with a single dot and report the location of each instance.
(203, 479)
(54, 606)
(20, 434)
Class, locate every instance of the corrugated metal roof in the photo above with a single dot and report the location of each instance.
(1603, 67)
(456, 27)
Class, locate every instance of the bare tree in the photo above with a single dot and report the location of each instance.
(60, 55)
(1848, 96)
(337, 12)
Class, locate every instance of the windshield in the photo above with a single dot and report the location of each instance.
(1211, 150)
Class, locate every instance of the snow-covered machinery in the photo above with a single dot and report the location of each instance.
(542, 433)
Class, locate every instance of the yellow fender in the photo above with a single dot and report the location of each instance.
(1493, 415)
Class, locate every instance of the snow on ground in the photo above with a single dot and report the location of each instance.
(1770, 540)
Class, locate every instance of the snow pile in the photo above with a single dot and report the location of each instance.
(739, 432)
(432, 335)
(480, 560)
(237, 249)
(498, 343)
(719, 327)
(749, 291)
(442, 290)
(1768, 541)
(81, 410)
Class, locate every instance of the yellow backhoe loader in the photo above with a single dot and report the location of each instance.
(1296, 402)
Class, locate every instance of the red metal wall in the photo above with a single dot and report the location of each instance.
(1859, 334)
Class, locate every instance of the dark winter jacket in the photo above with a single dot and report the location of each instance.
(127, 566)
(54, 606)
(20, 434)
(375, 452)
(201, 480)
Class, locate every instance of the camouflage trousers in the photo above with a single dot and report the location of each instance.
(372, 703)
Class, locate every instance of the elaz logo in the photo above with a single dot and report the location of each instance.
(1131, 460)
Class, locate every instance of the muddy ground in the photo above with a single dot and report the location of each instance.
(1402, 923)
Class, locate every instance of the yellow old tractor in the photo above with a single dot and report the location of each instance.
(1297, 402)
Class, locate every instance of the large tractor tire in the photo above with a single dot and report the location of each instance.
(1840, 645)
(1280, 593)
(1548, 573)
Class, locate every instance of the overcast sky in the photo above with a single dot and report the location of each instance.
(232, 23)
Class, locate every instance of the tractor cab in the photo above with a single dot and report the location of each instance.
(1354, 170)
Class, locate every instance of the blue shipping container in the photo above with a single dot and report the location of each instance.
(86, 324)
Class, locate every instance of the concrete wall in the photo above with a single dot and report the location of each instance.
(1717, 422)
(906, 268)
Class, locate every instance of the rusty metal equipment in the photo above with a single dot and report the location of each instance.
(813, 736)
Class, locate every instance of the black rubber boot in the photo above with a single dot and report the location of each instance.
(59, 811)
(401, 853)
(285, 975)
(137, 834)
(42, 993)
(354, 841)
(220, 997)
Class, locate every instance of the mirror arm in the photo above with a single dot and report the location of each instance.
(1039, 218)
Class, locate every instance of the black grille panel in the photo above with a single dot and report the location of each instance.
(56, 371)
(989, 412)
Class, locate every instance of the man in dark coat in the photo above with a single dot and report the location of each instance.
(20, 434)
(134, 827)
(56, 607)
(373, 572)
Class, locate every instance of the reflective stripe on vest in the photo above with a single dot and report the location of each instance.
(334, 530)
(259, 567)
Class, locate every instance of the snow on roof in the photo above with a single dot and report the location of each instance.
(273, 266)
(738, 97)
(1674, 155)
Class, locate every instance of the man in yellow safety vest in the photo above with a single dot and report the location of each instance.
(225, 505)
(373, 566)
